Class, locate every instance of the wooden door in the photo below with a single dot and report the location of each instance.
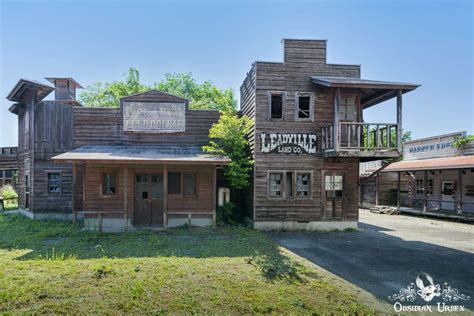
(333, 196)
(148, 199)
(447, 195)
(348, 112)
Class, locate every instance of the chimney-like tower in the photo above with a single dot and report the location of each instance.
(64, 88)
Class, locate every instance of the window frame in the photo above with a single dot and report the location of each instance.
(295, 185)
(115, 195)
(311, 96)
(284, 174)
(419, 189)
(324, 191)
(356, 107)
(282, 187)
(196, 184)
(60, 184)
(283, 105)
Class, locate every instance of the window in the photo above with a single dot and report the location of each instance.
(54, 182)
(419, 187)
(275, 184)
(303, 185)
(304, 106)
(174, 183)
(333, 186)
(109, 184)
(276, 101)
(429, 186)
(189, 184)
(347, 108)
(289, 185)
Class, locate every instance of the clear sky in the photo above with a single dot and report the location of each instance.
(426, 42)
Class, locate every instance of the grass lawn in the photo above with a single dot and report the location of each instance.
(52, 267)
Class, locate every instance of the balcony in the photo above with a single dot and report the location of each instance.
(367, 141)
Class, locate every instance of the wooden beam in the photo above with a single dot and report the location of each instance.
(165, 195)
(74, 193)
(399, 121)
(398, 189)
(337, 102)
(125, 196)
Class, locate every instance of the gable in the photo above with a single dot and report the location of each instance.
(154, 96)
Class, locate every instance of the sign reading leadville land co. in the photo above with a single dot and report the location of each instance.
(288, 143)
(154, 117)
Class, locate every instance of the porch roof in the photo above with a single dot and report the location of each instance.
(459, 162)
(141, 154)
(372, 91)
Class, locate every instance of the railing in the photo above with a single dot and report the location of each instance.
(361, 136)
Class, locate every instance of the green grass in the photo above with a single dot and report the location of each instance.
(52, 267)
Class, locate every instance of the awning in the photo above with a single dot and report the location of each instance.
(459, 162)
(372, 91)
(141, 154)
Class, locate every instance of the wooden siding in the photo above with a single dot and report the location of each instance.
(302, 59)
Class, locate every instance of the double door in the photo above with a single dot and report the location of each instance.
(148, 199)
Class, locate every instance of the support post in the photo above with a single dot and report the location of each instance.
(398, 189)
(165, 196)
(337, 102)
(125, 197)
(377, 183)
(214, 184)
(459, 195)
(74, 193)
(425, 191)
(399, 121)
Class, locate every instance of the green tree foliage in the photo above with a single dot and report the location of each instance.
(201, 96)
(461, 142)
(228, 138)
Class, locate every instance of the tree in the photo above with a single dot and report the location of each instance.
(201, 96)
(228, 138)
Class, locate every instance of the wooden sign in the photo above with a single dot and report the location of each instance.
(288, 143)
(432, 147)
(154, 117)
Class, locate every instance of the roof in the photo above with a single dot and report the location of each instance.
(142, 154)
(153, 93)
(23, 85)
(372, 91)
(432, 164)
(76, 84)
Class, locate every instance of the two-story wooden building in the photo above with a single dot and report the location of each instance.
(138, 164)
(310, 135)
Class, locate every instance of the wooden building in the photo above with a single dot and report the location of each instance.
(138, 164)
(8, 166)
(309, 136)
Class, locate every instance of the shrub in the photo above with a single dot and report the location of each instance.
(8, 192)
(225, 214)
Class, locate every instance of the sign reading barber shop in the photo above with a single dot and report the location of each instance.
(154, 117)
(288, 143)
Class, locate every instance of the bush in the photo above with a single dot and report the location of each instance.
(8, 192)
(226, 213)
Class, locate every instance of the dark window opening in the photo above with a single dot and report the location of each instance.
(276, 104)
(174, 183)
(144, 195)
(289, 184)
(304, 106)
(54, 182)
(189, 184)
(109, 184)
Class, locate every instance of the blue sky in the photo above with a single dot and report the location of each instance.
(427, 42)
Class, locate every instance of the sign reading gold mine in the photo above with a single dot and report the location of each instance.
(288, 143)
(153, 117)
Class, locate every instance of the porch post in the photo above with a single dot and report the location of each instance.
(165, 195)
(425, 191)
(125, 196)
(399, 121)
(398, 189)
(459, 193)
(214, 184)
(74, 193)
(377, 183)
(337, 102)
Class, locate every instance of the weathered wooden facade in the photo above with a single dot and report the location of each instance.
(8, 165)
(309, 136)
(138, 164)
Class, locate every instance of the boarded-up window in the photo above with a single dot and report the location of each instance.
(189, 184)
(276, 106)
(174, 183)
(333, 186)
(109, 184)
(275, 184)
(54, 182)
(303, 185)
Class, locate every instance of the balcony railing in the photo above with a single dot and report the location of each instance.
(361, 137)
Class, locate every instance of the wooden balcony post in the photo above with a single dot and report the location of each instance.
(399, 121)
(337, 102)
